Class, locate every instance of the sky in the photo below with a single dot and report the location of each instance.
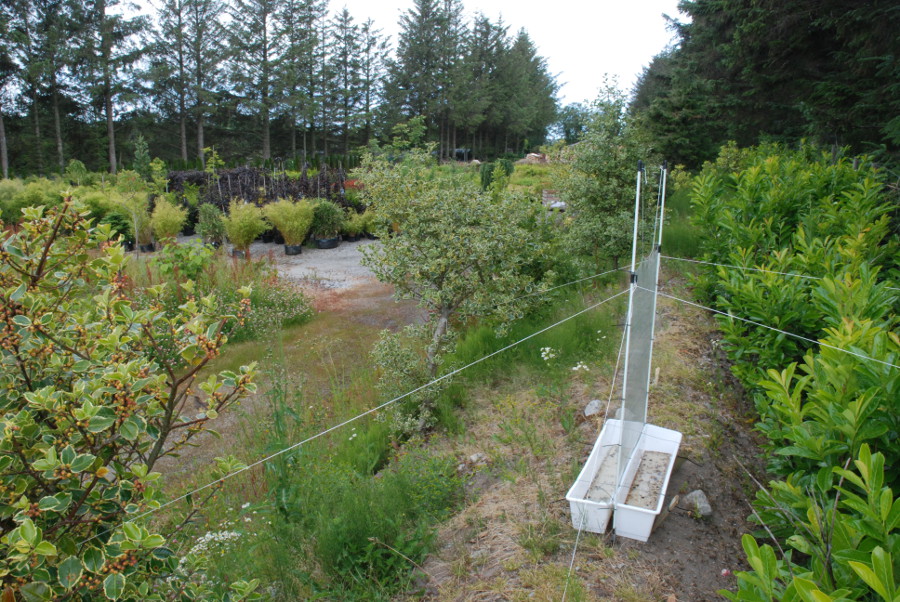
(582, 40)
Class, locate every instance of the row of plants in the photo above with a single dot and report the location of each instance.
(830, 418)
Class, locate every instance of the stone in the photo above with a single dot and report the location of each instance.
(478, 458)
(697, 502)
(593, 408)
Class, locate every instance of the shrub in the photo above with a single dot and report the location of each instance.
(188, 260)
(119, 224)
(355, 224)
(167, 220)
(210, 225)
(244, 223)
(292, 219)
(131, 198)
(328, 219)
(88, 412)
(76, 172)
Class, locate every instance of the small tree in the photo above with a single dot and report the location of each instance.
(460, 253)
(93, 392)
(596, 180)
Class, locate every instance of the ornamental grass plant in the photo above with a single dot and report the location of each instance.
(167, 220)
(244, 223)
(292, 219)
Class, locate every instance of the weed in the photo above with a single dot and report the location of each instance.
(542, 538)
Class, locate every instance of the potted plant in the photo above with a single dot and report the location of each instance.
(328, 219)
(145, 235)
(292, 220)
(244, 223)
(353, 227)
(368, 220)
(210, 226)
(167, 220)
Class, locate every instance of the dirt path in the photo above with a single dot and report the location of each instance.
(514, 539)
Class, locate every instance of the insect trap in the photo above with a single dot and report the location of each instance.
(627, 473)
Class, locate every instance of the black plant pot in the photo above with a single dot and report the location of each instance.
(238, 254)
(328, 243)
(268, 236)
(279, 239)
(128, 245)
(351, 237)
(148, 248)
(371, 236)
(292, 249)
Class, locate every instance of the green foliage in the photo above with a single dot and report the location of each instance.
(328, 219)
(131, 199)
(355, 223)
(188, 261)
(845, 524)
(821, 409)
(210, 225)
(142, 157)
(16, 195)
(831, 79)
(489, 173)
(596, 180)
(119, 225)
(458, 252)
(89, 409)
(167, 220)
(292, 218)
(244, 223)
(76, 172)
(373, 529)
(274, 303)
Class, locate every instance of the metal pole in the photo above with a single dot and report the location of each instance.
(637, 211)
(662, 205)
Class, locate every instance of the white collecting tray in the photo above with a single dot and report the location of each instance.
(640, 499)
(591, 497)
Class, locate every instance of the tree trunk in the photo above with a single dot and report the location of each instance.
(183, 125)
(200, 144)
(4, 158)
(38, 153)
(431, 353)
(110, 131)
(266, 141)
(57, 127)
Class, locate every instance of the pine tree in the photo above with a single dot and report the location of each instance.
(169, 55)
(256, 46)
(204, 34)
(108, 49)
(373, 57)
(345, 64)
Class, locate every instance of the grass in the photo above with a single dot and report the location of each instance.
(680, 237)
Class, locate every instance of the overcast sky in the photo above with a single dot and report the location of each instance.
(581, 39)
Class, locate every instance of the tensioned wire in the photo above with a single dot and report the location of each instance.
(739, 267)
(355, 418)
(612, 388)
(544, 292)
(790, 334)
